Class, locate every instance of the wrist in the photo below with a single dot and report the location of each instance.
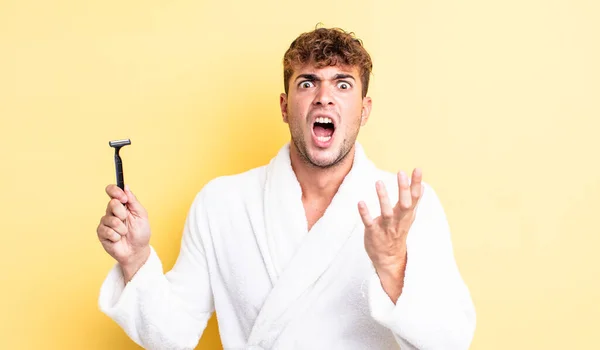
(391, 276)
(390, 273)
(134, 263)
(391, 266)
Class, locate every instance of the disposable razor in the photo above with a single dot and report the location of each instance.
(117, 144)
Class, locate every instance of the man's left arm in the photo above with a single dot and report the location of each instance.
(417, 291)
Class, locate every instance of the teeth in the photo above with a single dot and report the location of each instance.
(323, 138)
(324, 120)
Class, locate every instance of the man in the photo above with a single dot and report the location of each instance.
(318, 249)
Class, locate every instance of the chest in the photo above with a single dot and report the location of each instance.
(314, 210)
(240, 261)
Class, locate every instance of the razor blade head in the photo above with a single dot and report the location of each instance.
(119, 143)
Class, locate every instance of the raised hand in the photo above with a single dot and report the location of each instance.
(125, 230)
(385, 236)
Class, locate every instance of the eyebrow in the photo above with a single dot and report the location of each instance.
(313, 77)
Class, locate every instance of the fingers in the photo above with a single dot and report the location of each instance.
(386, 208)
(114, 191)
(404, 195)
(416, 187)
(111, 228)
(364, 214)
(116, 208)
(133, 204)
(105, 233)
(114, 224)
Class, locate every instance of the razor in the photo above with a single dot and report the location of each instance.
(117, 144)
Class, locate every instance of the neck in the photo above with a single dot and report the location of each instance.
(319, 184)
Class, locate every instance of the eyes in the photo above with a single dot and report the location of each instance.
(342, 85)
(306, 84)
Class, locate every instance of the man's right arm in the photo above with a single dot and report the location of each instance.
(157, 310)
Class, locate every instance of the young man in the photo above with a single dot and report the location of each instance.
(318, 249)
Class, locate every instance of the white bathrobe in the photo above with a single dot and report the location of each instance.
(247, 254)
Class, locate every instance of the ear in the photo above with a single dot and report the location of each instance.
(283, 106)
(365, 111)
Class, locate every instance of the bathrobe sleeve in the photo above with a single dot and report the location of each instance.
(435, 310)
(165, 311)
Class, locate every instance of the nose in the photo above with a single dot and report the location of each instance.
(323, 96)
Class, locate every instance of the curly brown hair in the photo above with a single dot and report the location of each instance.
(327, 47)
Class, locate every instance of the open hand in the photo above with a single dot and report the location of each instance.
(385, 236)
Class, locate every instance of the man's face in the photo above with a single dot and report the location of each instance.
(325, 110)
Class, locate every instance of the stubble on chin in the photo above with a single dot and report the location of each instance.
(304, 155)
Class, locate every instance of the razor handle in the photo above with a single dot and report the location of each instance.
(119, 170)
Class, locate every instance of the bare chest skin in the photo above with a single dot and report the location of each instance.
(314, 210)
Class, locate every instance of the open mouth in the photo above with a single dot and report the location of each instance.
(323, 129)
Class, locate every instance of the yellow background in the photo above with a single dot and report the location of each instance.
(497, 101)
